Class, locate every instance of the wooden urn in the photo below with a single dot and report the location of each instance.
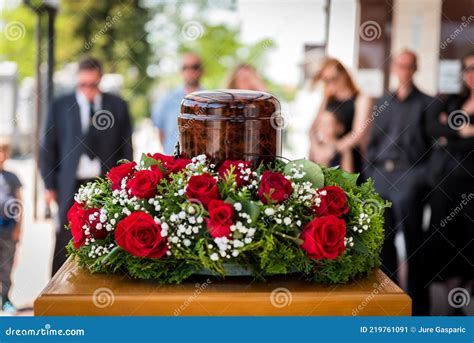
(230, 124)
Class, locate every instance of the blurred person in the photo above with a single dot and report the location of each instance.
(451, 243)
(245, 76)
(342, 94)
(165, 111)
(331, 128)
(85, 134)
(10, 224)
(397, 162)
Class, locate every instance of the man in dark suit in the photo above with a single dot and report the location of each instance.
(85, 134)
(398, 154)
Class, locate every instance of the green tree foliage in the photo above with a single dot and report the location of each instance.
(113, 31)
(17, 28)
(130, 36)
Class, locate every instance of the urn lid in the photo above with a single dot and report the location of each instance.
(226, 103)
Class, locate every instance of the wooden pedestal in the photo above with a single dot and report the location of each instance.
(74, 291)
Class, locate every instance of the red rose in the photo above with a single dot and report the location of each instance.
(220, 218)
(225, 168)
(323, 237)
(274, 187)
(164, 159)
(76, 222)
(333, 201)
(143, 183)
(77, 217)
(116, 174)
(177, 166)
(203, 188)
(171, 164)
(140, 235)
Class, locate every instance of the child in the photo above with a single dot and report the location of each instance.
(10, 225)
(331, 128)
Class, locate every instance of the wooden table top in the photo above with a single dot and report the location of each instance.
(75, 291)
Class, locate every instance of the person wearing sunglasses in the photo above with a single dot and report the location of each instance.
(84, 135)
(451, 232)
(165, 111)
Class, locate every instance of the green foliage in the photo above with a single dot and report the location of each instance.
(313, 172)
(221, 50)
(17, 42)
(274, 247)
(113, 31)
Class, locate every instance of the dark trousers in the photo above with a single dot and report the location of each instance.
(7, 255)
(451, 235)
(406, 190)
(63, 235)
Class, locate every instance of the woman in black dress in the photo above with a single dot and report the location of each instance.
(341, 96)
(450, 243)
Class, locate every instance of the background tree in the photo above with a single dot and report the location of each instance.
(141, 40)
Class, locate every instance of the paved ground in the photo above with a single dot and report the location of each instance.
(32, 261)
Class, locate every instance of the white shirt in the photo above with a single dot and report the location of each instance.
(87, 168)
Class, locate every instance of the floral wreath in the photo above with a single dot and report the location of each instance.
(168, 218)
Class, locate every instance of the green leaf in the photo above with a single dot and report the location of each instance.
(349, 179)
(297, 240)
(229, 200)
(149, 161)
(314, 173)
(123, 161)
(111, 254)
(252, 208)
(359, 246)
